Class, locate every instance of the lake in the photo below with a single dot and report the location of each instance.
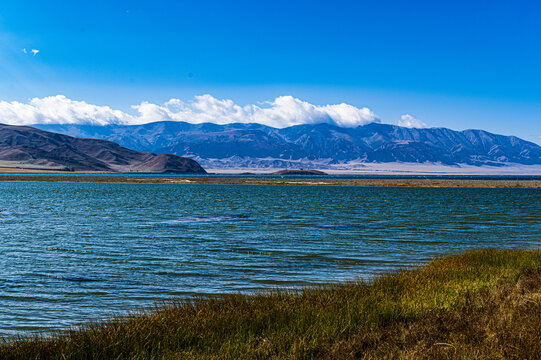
(76, 251)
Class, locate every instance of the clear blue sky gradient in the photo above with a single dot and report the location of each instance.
(459, 64)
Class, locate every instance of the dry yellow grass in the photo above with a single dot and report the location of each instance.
(483, 304)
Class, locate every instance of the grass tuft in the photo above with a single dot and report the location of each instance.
(478, 305)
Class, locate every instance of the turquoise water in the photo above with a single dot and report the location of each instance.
(73, 251)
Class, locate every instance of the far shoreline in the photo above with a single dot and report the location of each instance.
(370, 174)
(470, 181)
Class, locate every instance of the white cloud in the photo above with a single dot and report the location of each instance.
(59, 110)
(33, 51)
(287, 111)
(411, 122)
(281, 112)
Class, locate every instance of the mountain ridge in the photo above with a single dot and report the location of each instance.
(313, 145)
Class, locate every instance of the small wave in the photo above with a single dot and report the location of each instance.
(196, 220)
(64, 249)
(5, 214)
(205, 218)
(76, 277)
(333, 226)
(10, 214)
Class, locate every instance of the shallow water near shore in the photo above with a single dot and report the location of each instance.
(77, 251)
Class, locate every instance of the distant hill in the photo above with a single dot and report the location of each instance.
(27, 145)
(313, 146)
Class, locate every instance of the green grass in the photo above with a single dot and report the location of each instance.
(482, 304)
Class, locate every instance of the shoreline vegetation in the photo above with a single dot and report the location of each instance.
(251, 180)
(482, 304)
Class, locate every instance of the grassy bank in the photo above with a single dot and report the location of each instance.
(483, 304)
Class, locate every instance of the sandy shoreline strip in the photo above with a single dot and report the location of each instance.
(314, 181)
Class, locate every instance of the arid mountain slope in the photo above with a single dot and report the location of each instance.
(27, 145)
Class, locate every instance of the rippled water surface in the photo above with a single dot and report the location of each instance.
(73, 251)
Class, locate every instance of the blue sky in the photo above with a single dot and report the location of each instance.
(460, 64)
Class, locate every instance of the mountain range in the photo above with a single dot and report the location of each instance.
(25, 145)
(315, 145)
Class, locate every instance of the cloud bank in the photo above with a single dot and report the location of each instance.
(411, 122)
(59, 110)
(283, 111)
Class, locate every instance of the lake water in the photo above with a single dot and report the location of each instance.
(73, 251)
